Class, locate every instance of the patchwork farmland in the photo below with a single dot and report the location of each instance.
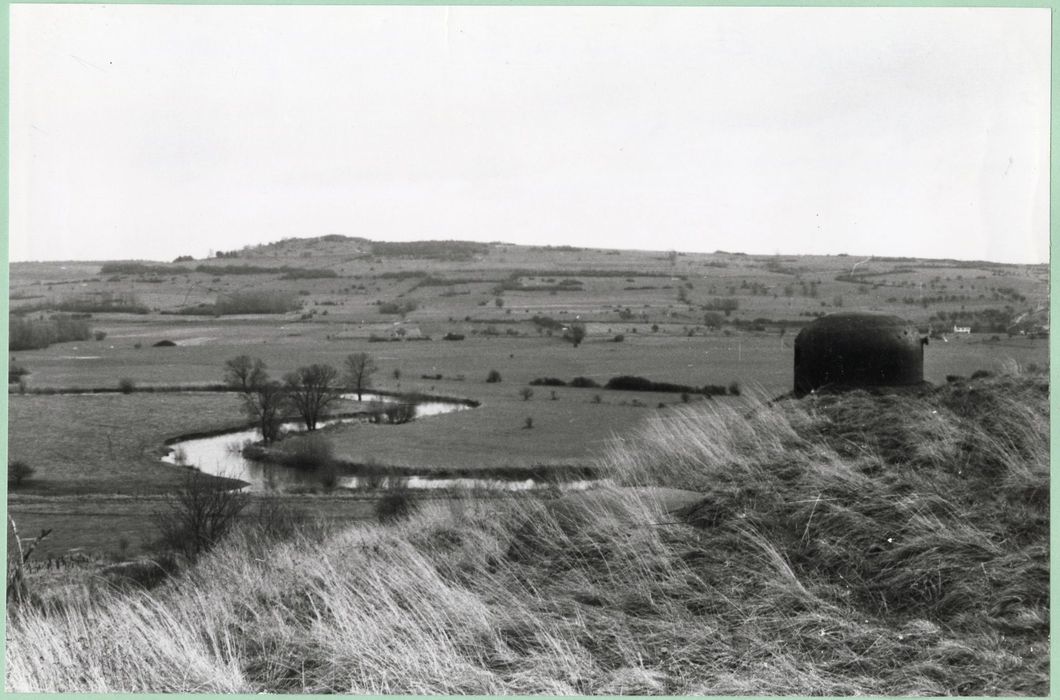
(115, 364)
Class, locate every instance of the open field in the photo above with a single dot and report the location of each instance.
(757, 587)
(571, 430)
(751, 358)
(661, 304)
(841, 545)
(107, 444)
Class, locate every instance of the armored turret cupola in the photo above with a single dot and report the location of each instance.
(858, 350)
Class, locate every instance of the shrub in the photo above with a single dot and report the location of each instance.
(308, 273)
(273, 520)
(126, 385)
(399, 308)
(727, 305)
(399, 412)
(376, 411)
(734, 389)
(328, 474)
(36, 334)
(576, 333)
(99, 335)
(584, 383)
(547, 322)
(259, 302)
(138, 268)
(396, 504)
(526, 392)
(618, 338)
(547, 381)
(453, 336)
(529, 423)
(17, 472)
(493, 377)
(438, 250)
(306, 451)
(15, 373)
(165, 344)
(199, 515)
(632, 383)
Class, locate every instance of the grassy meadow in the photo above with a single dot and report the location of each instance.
(544, 593)
(822, 551)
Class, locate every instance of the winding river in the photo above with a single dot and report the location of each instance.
(221, 455)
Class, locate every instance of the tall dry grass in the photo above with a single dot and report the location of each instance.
(844, 545)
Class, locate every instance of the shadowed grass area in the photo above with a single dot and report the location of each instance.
(841, 545)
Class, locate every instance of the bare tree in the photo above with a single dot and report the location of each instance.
(359, 369)
(200, 513)
(267, 405)
(245, 373)
(311, 390)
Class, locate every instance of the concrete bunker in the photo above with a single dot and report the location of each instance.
(858, 350)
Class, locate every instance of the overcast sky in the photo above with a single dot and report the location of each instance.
(155, 131)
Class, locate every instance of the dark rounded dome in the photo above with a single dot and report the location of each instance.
(849, 350)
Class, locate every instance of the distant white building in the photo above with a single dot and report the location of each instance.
(962, 329)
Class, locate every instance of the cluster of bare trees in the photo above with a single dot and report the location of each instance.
(306, 392)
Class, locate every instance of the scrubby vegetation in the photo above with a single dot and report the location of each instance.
(142, 268)
(432, 250)
(395, 505)
(305, 452)
(198, 516)
(398, 307)
(15, 373)
(259, 302)
(851, 544)
(34, 334)
(547, 381)
(17, 472)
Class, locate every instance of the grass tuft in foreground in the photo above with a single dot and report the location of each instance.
(842, 545)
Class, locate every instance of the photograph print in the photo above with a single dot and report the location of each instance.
(427, 350)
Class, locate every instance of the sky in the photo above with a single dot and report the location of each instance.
(148, 132)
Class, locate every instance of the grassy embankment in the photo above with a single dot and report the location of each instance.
(854, 544)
